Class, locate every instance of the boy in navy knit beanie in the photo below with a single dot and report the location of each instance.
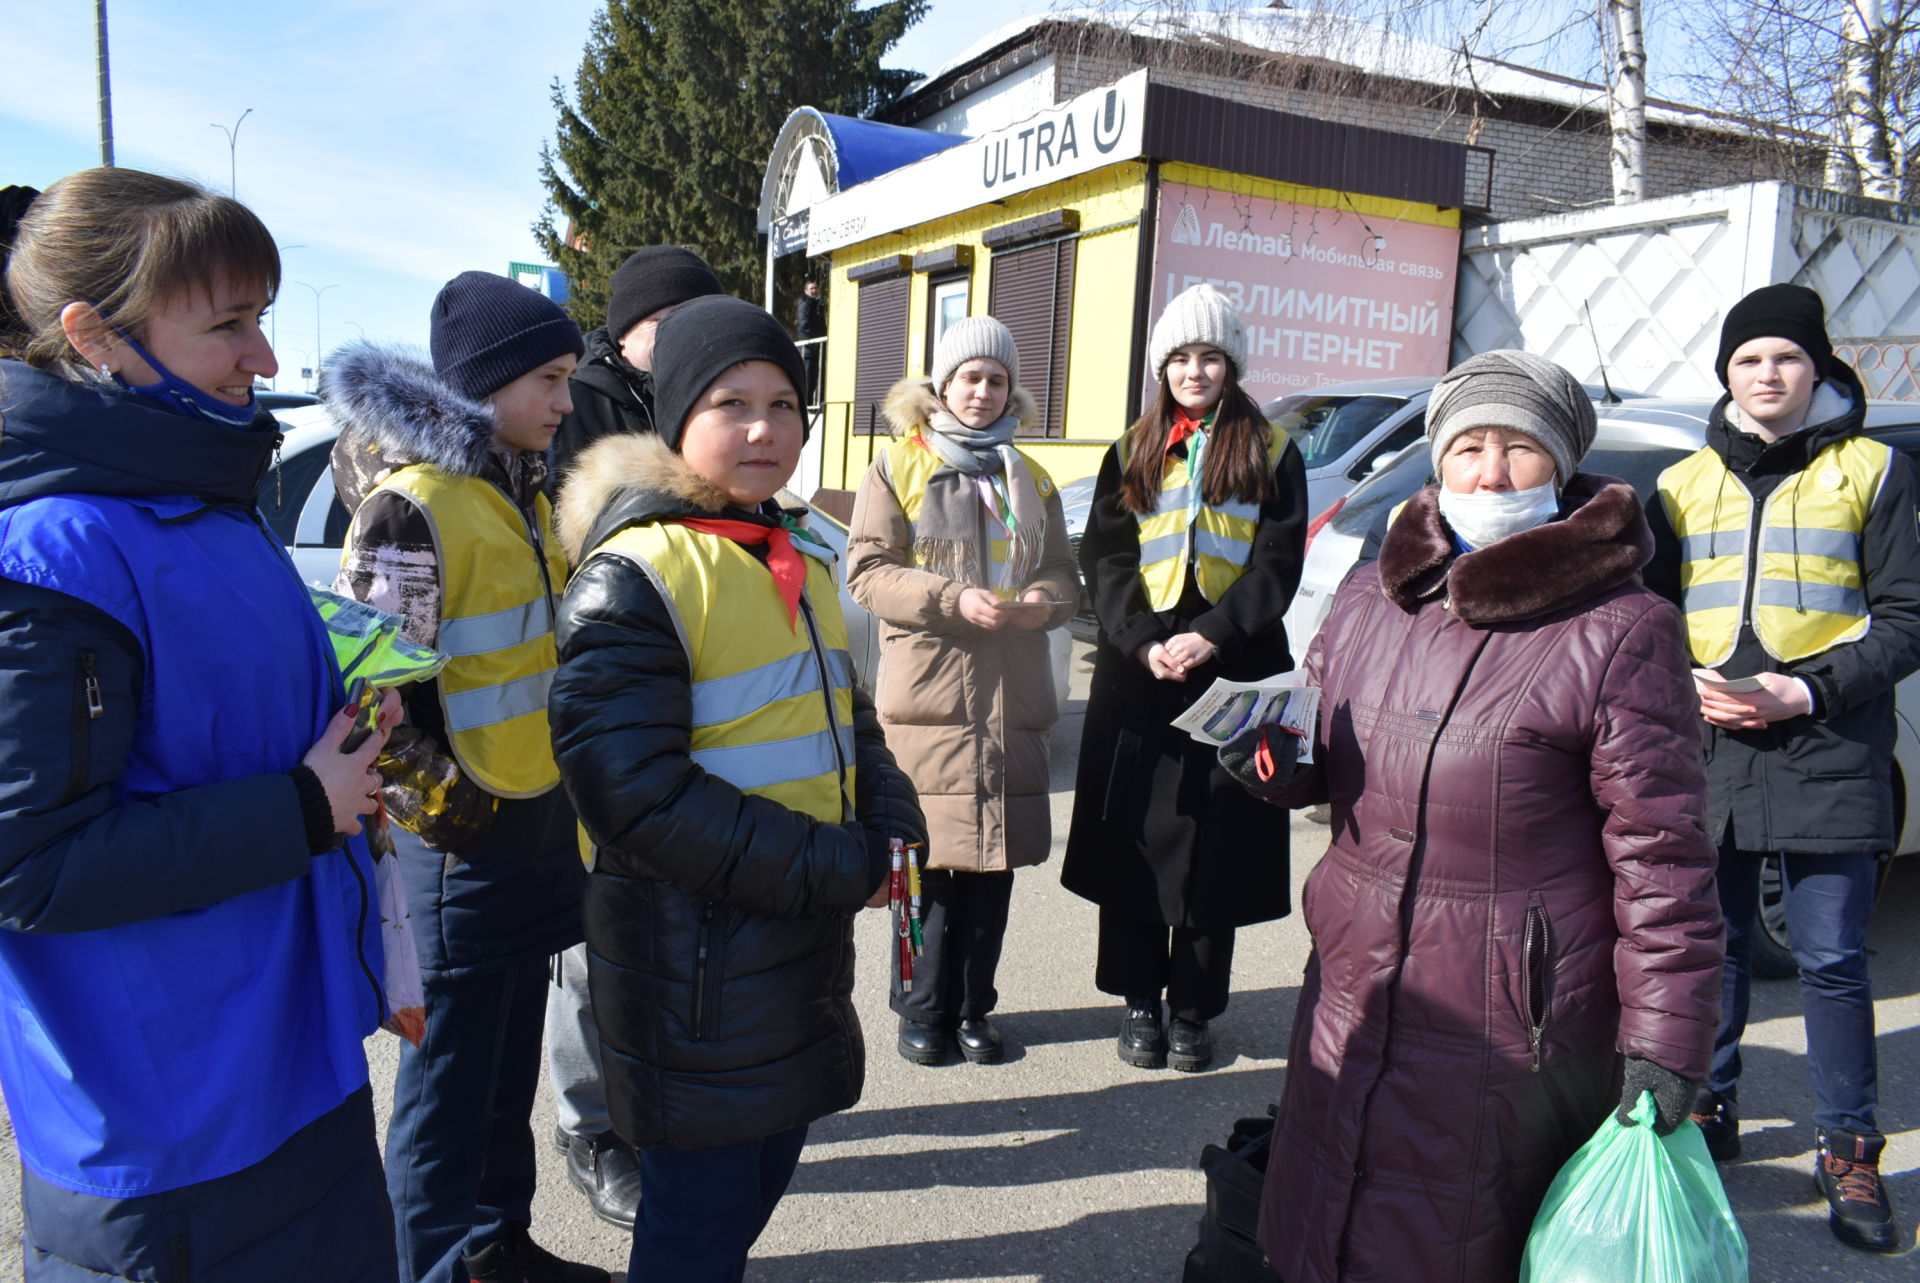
(443, 468)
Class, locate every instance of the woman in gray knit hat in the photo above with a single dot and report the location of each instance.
(959, 548)
(1191, 553)
(1519, 891)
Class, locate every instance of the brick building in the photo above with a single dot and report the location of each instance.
(1547, 134)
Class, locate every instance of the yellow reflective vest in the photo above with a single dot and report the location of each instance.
(498, 578)
(911, 464)
(1184, 529)
(772, 700)
(1807, 593)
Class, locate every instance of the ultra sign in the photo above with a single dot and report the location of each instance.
(1101, 127)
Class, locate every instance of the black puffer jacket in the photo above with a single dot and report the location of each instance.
(689, 870)
(610, 396)
(1818, 783)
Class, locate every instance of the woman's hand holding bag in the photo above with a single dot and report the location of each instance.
(1633, 1206)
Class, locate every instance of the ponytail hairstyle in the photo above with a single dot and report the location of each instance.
(13, 204)
(1235, 466)
(127, 242)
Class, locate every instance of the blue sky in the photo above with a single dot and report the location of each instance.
(393, 144)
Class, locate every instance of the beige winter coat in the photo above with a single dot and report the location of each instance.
(966, 710)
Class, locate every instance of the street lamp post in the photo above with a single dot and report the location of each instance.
(317, 349)
(233, 172)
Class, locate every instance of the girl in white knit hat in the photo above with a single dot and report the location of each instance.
(1191, 554)
(959, 548)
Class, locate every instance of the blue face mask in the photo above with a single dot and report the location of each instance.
(182, 397)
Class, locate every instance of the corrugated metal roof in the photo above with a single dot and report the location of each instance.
(1199, 129)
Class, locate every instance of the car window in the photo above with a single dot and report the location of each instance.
(339, 520)
(1639, 466)
(283, 492)
(1390, 485)
(1326, 428)
(1394, 442)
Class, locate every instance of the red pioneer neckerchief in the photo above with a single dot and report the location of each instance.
(787, 565)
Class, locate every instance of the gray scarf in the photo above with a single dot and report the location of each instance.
(954, 509)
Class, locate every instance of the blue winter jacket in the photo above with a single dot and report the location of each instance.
(182, 985)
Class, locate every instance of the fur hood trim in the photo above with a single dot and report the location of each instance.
(628, 477)
(1600, 544)
(912, 402)
(393, 398)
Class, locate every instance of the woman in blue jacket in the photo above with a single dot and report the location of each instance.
(189, 962)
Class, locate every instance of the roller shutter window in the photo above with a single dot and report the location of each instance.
(1031, 292)
(881, 358)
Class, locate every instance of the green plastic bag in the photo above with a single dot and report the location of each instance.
(1633, 1207)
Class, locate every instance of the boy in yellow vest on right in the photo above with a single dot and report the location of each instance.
(1789, 544)
(735, 785)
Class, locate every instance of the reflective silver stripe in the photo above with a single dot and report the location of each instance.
(1726, 543)
(470, 710)
(759, 766)
(1207, 543)
(724, 699)
(1813, 541)
(1715, 596)
(1174, 500)
(1240, 508)
(481, 634)
(1165, 548)
(1830, 598)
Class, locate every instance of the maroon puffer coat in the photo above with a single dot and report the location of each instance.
(1519, 883)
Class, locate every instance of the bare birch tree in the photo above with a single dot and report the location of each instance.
(1840, 74)
(1626, 65)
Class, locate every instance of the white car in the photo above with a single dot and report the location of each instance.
(300, 505)
(1636, 441)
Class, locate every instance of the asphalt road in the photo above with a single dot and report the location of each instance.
(1064, 1166)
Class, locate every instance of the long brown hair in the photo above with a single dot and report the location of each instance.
(1236, 464)
(127, 242)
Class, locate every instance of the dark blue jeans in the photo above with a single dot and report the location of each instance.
(702, 1209)
(460, 1144)
(1828, 901)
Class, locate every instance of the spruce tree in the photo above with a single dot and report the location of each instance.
(674, 111)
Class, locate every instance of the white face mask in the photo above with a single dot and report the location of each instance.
(1484, 517)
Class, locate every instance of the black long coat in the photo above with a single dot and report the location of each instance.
(1160, 833)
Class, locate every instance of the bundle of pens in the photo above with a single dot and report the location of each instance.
(903, 898)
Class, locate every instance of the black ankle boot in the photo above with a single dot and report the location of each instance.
(1143, 1044)
(979, 1041)
(1189, 1045)
(1846, 1167)
(607, 1171)
(922, 1043)
(1718, 1118)
(516, 1258)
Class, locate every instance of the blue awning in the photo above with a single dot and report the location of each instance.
(845, 151)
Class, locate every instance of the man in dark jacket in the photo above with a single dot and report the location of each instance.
(613, 388)
(810, 322)
(1788, 543)
(612, 393)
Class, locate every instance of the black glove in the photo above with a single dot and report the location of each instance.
(1672, 1094)
(1241, 757)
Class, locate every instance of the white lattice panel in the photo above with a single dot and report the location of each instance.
(1657, 278)
(1645, 297)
